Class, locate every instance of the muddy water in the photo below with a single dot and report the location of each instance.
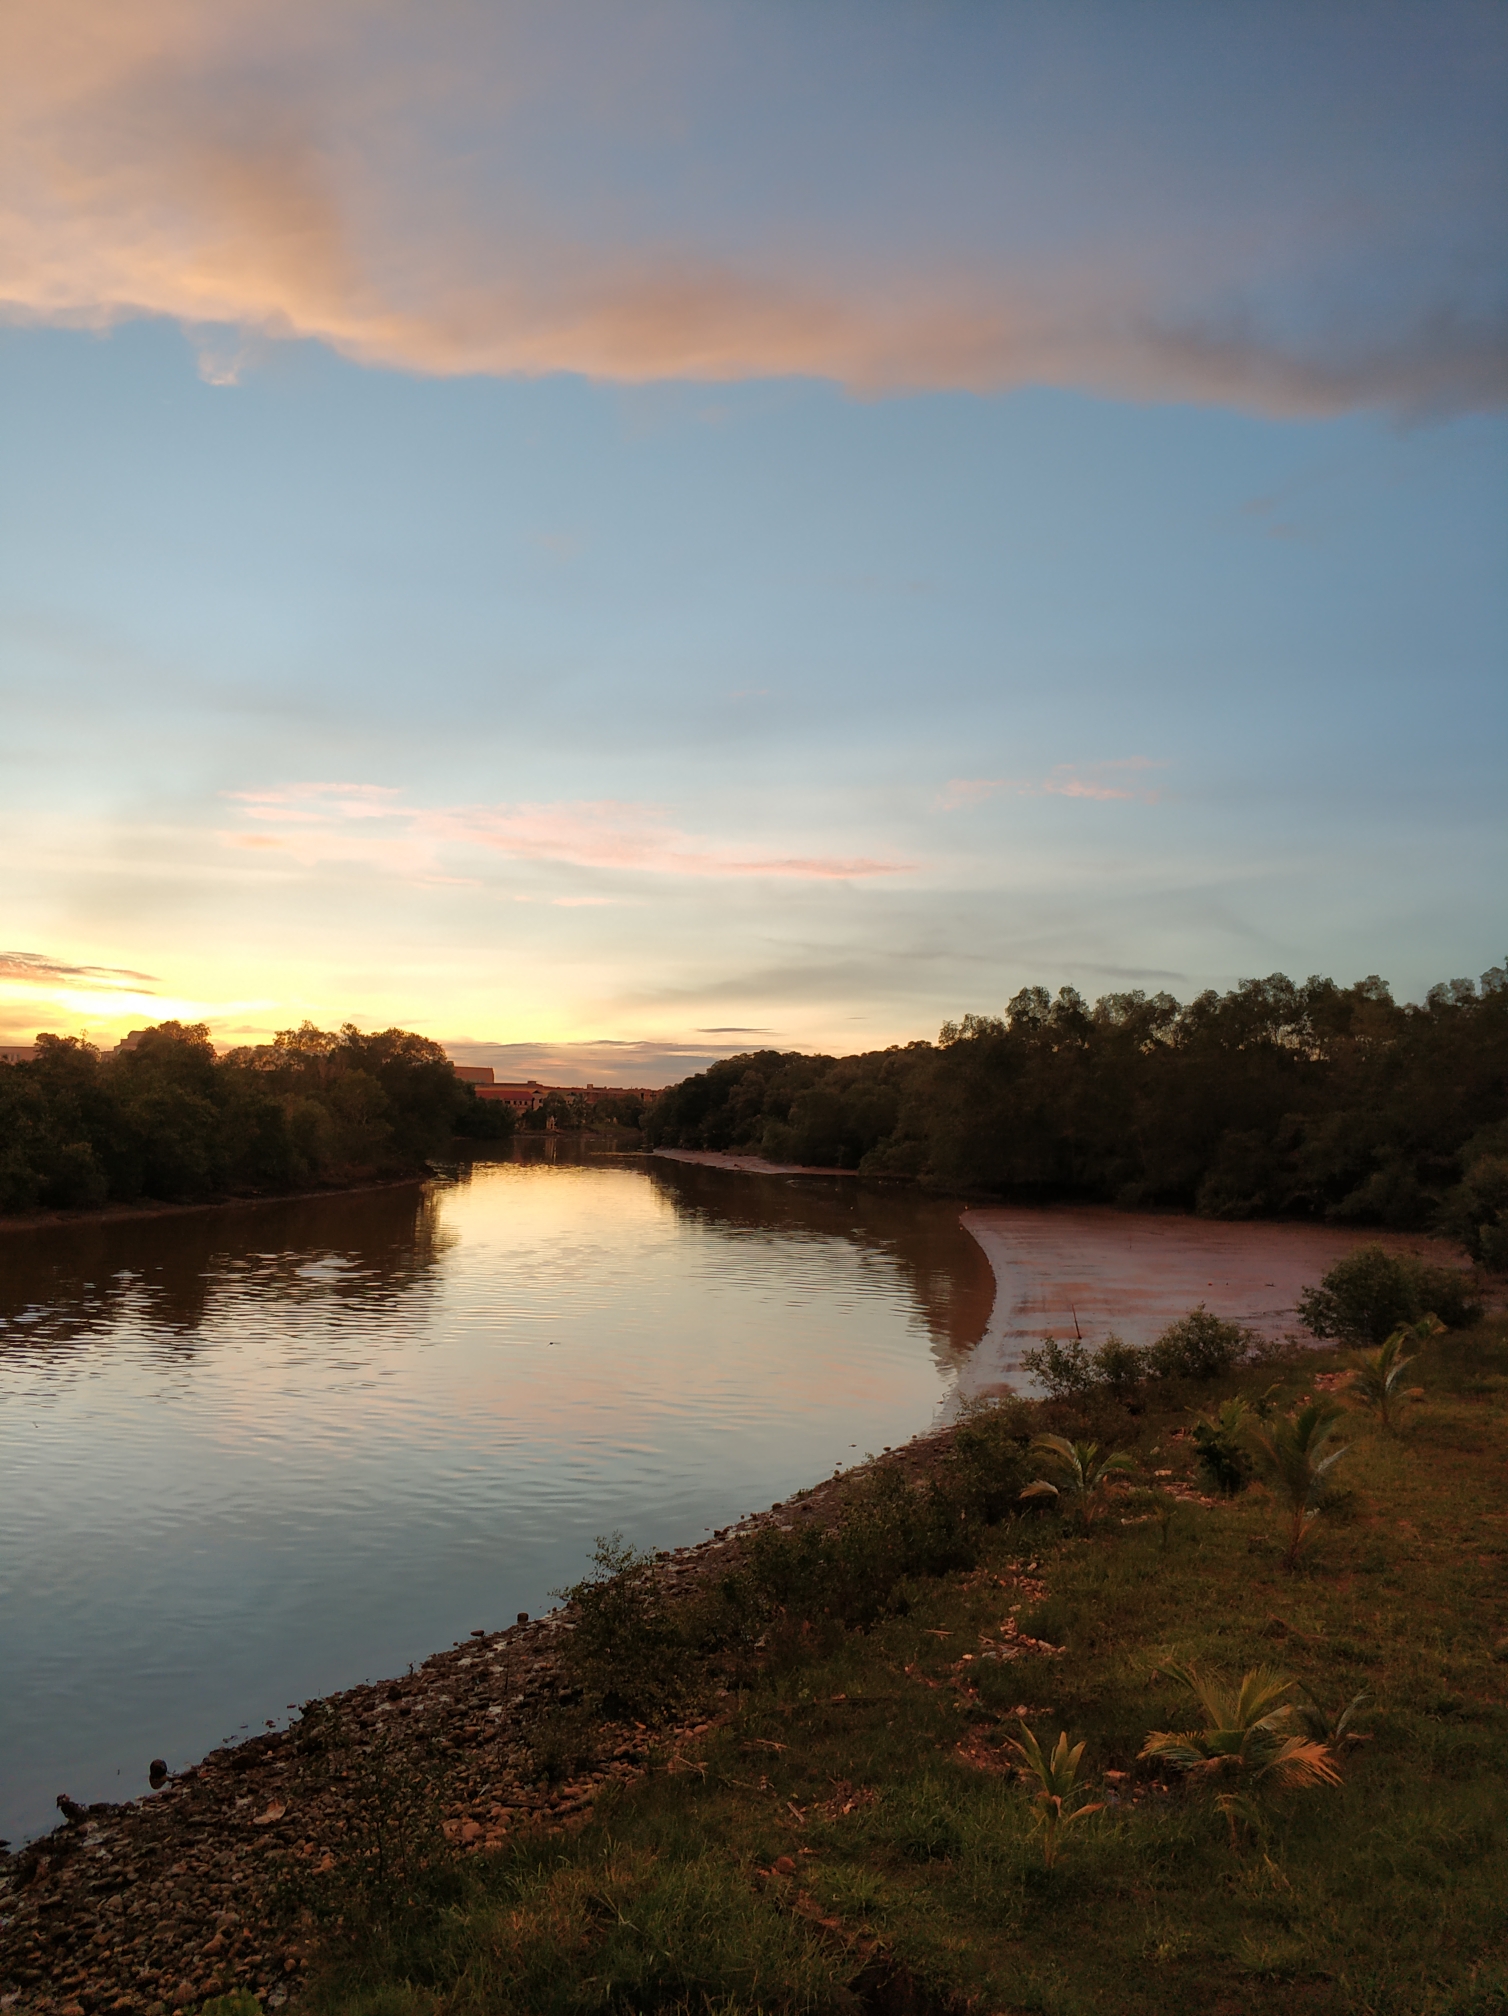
(251, 1455)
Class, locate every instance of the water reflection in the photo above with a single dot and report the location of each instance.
(251, 1455)
(169, 1277)
(917, 1239)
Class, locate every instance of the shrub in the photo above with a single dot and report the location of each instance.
(1120, 1366)
(1199, 1346)
(1062, 1368)
(887, 1529)
(627, 1650)
(1476, 1212)
(1371, 1293)
(987, 1466)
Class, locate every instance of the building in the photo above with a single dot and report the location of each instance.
(17, 1053)
(522, 1098)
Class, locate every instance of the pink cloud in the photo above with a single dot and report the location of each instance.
(371, 823)
(461, 190)
(1065, 780)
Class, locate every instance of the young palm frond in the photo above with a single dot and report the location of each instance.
(1056, 1778)
(1292, 1454)
(1252, 1739)
(1085, 1476)
(1321, 1725)
(1219, 1446)
(1378, 1379)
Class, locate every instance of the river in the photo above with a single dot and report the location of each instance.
(254, 1454)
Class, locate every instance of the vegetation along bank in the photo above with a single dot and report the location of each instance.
(1273, 1100)
(169, 1120)
(1181, 1688)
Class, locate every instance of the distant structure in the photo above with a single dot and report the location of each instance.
(522, 1098)
(531, 1095)
(17, 1053)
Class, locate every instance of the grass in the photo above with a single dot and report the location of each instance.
(852, 1837)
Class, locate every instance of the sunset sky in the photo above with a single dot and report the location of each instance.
(634, 531)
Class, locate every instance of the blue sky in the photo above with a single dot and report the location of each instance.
(625, 534)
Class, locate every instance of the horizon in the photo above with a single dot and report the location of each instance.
(652, 1067)
(621, 535)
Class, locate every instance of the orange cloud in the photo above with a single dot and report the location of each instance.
(441, 190)
(370, 823)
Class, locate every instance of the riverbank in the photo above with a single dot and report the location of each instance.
(834, 1827)
(750, 1165)
(124, 1214)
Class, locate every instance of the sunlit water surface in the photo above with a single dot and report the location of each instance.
(251, 1455)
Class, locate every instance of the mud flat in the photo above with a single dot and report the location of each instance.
(1066, 1271)
(747, 1165)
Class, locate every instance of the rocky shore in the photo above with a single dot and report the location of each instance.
(161, 1903)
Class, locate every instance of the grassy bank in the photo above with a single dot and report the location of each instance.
(849, 1833)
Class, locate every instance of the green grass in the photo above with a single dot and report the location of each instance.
(833, 1849)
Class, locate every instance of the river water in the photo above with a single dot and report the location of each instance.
(251, 1455)
(255, 1454)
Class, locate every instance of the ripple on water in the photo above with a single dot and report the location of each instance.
(251, 1455)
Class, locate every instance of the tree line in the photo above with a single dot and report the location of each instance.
(169, 1119)
(1275, 1099)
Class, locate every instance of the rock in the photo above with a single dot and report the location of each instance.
(72, 1810)
(157, 1773)
(523, 1616)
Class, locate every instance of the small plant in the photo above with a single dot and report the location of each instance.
(1056, 1778)
(1324, 1727)
(1250, 1735)
(1378, 1380)
(1291, 1452)
(1086, 1477)
(1199, 1346)
(1220, 1447)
